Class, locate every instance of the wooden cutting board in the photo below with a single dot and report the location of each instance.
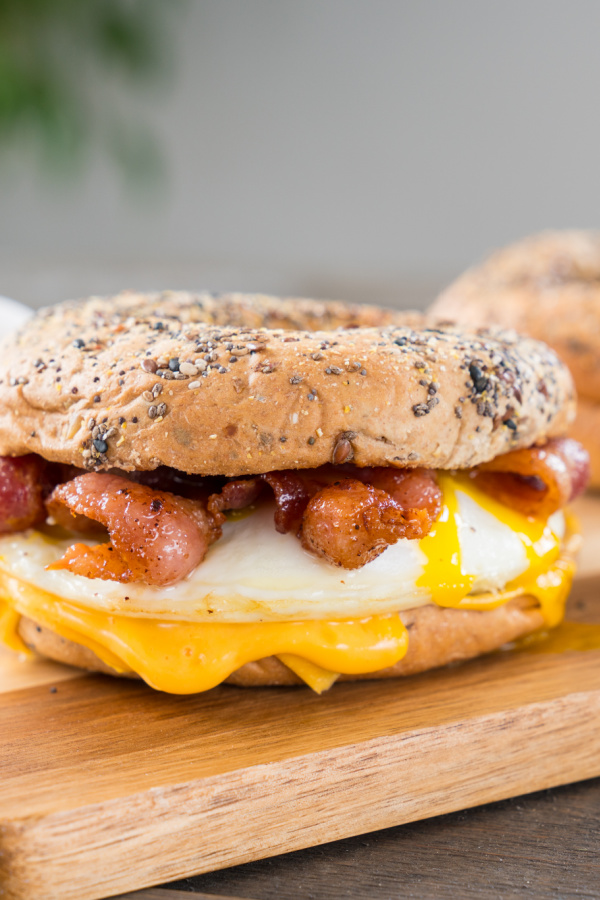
(107, 786)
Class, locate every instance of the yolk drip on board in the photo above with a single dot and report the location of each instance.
(186, 657)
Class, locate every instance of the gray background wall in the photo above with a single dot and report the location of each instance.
(361, 148)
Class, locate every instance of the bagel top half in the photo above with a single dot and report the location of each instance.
(546, 286)
(135, 382)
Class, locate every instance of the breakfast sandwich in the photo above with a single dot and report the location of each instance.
(196, 490)
(546, 286)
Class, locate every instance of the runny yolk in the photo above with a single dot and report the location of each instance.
(450, 586)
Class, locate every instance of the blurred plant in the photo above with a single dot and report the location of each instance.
(67, 68)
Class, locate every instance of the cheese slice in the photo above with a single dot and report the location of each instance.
(187, 657)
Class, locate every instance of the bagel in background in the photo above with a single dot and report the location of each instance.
(546, 286)
(171, 398)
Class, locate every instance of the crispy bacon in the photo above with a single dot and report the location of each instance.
(23, 482)
(345, 514)
(155, 537)
(293, 489)
(351, 523)
(409, 488)
(537, 481)
(236, 494)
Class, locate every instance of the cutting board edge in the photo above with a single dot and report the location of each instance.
(33, 849)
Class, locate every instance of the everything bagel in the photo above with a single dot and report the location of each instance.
(197, 489)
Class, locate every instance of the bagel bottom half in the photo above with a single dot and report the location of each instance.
(438, 636)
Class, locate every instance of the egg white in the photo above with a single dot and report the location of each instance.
(255, 574)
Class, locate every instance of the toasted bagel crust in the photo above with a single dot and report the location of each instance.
(438, 636)
(546, 286)
(586, 429)
(136, 382)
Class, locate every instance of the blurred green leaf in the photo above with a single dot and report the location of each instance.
(66, 68)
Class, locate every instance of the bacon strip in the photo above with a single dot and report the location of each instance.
(155, 537)
(537, 481)
(234, 495)
(409, 488)
(23, 481)
(351, 523)
(293, 489)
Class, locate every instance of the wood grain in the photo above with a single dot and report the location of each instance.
(167, 894)
(545, 846)
(108, 786)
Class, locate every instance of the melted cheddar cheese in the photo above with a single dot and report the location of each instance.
(190, 656)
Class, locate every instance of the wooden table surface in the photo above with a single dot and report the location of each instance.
(542, 845)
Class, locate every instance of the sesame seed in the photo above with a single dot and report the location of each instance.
(187, 368)
(194, 384)
(212, 437)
